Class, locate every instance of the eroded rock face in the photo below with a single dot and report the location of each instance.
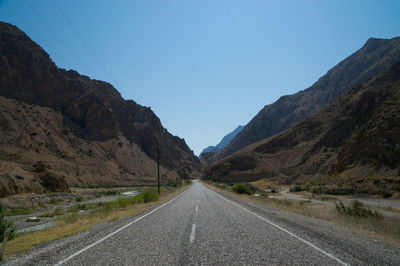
(353, 139)
(376, 56)
(53, 182)
(94, 110)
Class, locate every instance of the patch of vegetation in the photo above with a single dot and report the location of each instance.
(69, 218)
(145, 197)
(79, 199)
(53, 201)
(150, 196)
(264, 194)
(102, 186)
(241, 189)
(79, 207)
(5, 224)
(302, 202)
(295, 188)
(56, 212)
(357, 208)
(171, 183)
(16, 211)
(112, 192)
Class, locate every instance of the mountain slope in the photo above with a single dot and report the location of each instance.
(373, 58)
(92, 110)
(223, 143)
(352, 141)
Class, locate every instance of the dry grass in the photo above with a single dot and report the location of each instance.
(67, 227)
(386, 229)
(261, 183)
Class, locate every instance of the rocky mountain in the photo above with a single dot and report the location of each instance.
(352, 143)
(90, 111)
(223, 143)
(373, 58)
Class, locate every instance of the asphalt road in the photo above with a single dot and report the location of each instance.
(201, 227)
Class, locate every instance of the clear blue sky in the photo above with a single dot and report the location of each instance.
(204, 67)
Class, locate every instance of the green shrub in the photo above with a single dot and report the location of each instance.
(123, 202)
(357, 208)
(241, 189)
(264, 194)
(113, 192)
(138, 198)
(295, 188)
(5, 224)
(171, 183)
(150, 196)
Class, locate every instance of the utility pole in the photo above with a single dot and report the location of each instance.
(158, 166)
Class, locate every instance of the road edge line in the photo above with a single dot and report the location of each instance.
(120, 229)
(286, 231)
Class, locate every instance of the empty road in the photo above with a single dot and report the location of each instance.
(201, 227)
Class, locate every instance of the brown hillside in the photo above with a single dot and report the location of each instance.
(376, 56)
(92, 112)
(37, 152)
(355, 137)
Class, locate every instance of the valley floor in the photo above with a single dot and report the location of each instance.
(201, 226)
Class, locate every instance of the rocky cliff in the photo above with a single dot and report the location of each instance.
(353, 142)
(373, 58)
(91, 110)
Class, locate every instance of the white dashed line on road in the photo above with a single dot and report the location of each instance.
(193, 234)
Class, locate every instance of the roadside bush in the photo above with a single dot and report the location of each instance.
(123, 202)
(295, 188)
(113, 192)
(241, 189)
(138, 198)
(150, 196)
(357, 208)
(171, 183)
(5, 224)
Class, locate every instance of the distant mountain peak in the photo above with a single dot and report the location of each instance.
(223, 143)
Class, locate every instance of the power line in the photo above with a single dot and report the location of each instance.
(38, 36)
(86, 44)
(58, 37)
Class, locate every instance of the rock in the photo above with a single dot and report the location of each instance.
(32, 219)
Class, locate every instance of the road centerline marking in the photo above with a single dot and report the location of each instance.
(118, 230)
(286, 231)
(193, 234)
